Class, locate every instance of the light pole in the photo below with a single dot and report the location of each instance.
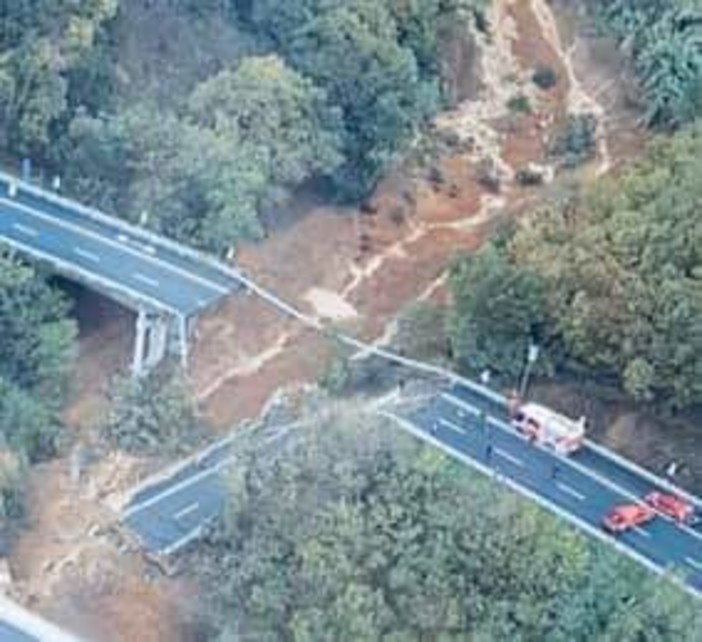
(532, 356)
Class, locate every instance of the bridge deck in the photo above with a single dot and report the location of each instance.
(140, 266)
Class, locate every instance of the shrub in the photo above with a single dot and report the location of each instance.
(519, 104)
(576, 144)
(544, 77)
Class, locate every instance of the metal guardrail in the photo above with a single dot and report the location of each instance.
(113, 221)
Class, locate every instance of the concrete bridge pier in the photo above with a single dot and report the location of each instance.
(157, 334)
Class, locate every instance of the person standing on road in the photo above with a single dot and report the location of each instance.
(554, 470)
(488, 452)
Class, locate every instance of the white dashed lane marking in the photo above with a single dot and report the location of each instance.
(91, 256)
(186, 511)
(570, 491)
(146, 279)
(452, 426)
(509, 457)
(25, 229)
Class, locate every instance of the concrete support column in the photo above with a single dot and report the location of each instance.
(139, 343)
(178, 335)
(184, 342)
(157, 340)
(157, 334)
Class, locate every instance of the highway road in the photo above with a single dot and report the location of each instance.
(170, 513)
(580, 488)
(141, 266)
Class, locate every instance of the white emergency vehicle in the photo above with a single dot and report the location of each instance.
(549, 428)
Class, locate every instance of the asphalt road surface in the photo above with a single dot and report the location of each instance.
(582, 487)
(123, 258)
(170, 513)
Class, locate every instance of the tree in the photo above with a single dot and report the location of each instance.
(665, 41)
(265, 105)
(152, 415)
(36, 351)
(40, 44)
(498, 309)
(32, 95)
(352, 51)
(38, 341)
(27, 425)
(422, 332)
(12, 472)
(399, 544)
(621, 263)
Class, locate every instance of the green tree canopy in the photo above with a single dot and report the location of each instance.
(377, 61)
(42, 42)
(35, 357)
(665, 39)
(498, 310)
(623, 266)
(392, 543)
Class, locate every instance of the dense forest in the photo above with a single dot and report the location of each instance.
(664, 40)
(607, 278)
(36, 353)
(313, 91)
(398, 544)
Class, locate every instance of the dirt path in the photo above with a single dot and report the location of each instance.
(579, 101)
(416, 227)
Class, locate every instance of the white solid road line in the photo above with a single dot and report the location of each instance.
(570, 491)
(509, 457)
(696, 564)
(32, 624)
(452, 426)
(186, 511)
(146, 279)
(91, 256)
(121, 246)
(25, 229)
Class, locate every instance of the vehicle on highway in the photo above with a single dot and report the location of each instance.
(625, 516)
(672, 506)
(548, 427)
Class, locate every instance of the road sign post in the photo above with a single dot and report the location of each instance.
(532, 356)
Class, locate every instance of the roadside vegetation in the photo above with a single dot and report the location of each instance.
(399, 543)
(154, 415)
(606, 278)
(37, 346)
